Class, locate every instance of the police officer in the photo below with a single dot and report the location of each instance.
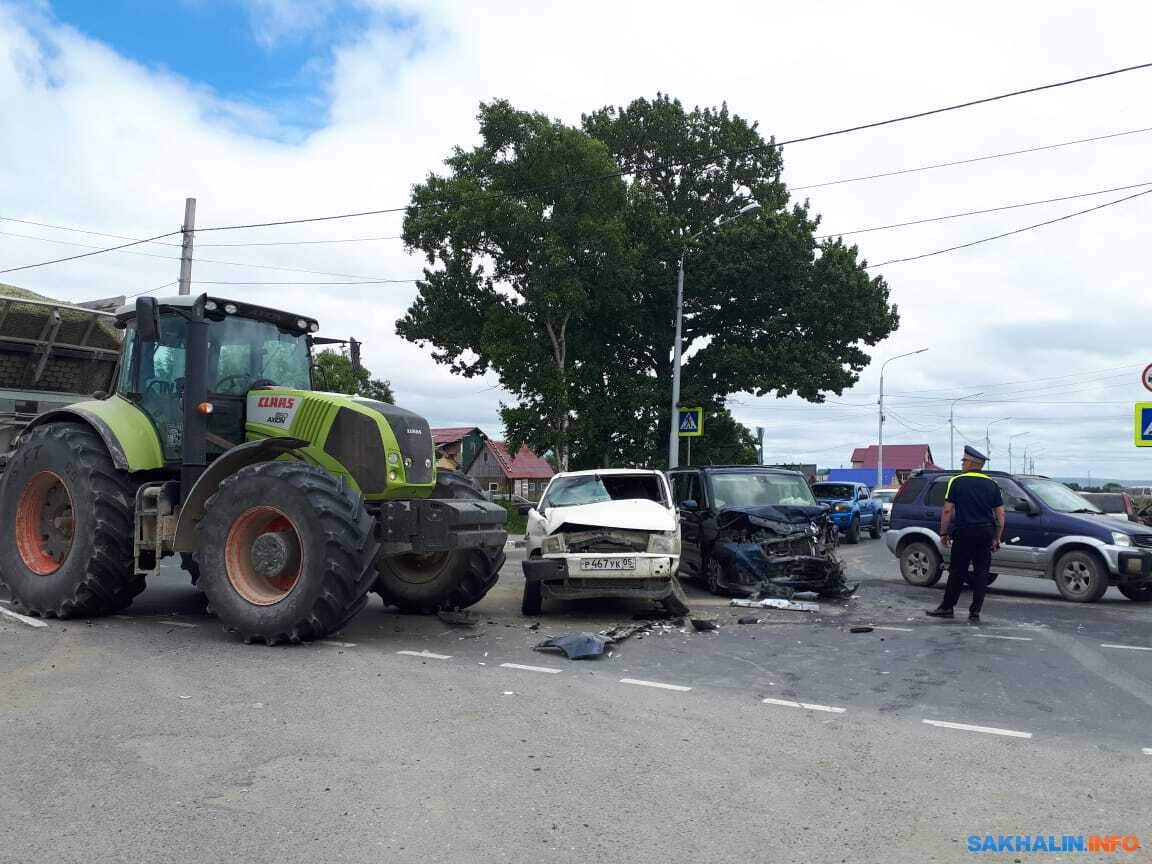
(972, 524)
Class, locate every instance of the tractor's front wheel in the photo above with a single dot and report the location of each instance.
(441, 580)
(285, 552)
(66, 525)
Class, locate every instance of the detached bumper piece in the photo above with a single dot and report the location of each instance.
(439, 525)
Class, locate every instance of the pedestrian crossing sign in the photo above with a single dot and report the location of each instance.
(692, 422)
(1143, 424)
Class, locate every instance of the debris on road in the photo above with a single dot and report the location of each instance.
(748, 619)
(702, 625)
(860, 629)
(457, 618)
(777, 603)
(577, 646)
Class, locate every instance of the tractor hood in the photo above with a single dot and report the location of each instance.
(635, 513)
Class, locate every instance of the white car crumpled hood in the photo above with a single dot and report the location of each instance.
(635, 514)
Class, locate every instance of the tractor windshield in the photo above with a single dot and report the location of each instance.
(242, 351)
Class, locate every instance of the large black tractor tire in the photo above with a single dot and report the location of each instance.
(285, 552)
(442, 580)
(66, 525)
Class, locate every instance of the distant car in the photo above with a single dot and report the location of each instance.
(611, 532)
(884, 498)
(852, 508)
(1050, 532)
(1117, 504)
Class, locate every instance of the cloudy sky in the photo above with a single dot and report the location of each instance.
(112, 113)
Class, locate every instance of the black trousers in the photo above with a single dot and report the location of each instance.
(971, 546)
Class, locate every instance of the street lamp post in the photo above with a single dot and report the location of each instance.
(880, 432)
(1010, 437)
(988, 435)
(952, 426)
(673, 430)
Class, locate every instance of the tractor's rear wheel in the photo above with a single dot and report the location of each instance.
(285, 552)
(441, 580)
(66, 525)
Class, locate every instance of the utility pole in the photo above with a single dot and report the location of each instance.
(1010, 437)
(188, 229)
(988, 435)
(952, 427)
(880, 429)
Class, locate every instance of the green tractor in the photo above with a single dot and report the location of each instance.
(288, 505)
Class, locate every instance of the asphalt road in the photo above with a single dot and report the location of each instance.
(156, 736)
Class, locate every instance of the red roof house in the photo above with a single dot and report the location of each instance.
(457, 446)
(497, 471)
(905, 458)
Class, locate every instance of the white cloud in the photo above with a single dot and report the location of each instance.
(89, 138)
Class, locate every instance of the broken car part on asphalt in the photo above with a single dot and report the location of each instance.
(777, 603)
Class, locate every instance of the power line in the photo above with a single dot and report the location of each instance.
(969, 160)
(306, 242)
(88, 254)
(706, 159)
(150, 290)
(363, 282)
(981, 212)
(1006, 233)
(198, 260)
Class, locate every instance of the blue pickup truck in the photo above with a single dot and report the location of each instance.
(851, 508)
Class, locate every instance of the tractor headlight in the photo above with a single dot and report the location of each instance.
(553, 544)
(393, 475)
(664, 543)
(393, 458)
(1119, 538)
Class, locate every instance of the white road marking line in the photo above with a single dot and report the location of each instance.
(900, 629)
(428, 655)
(1128, 647)
(640, 683)
(336, 644)
(1148, 751)
(23, 619)
(994, 636)
(176, 623)
(967, 727)
(548, 669)
(811, 707)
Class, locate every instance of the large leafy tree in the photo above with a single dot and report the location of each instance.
(768, 308)
(335, 373)
(522, 252)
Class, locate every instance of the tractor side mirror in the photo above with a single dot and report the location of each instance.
(147, 319)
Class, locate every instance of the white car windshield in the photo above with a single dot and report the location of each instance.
(597, 488)
(747, 489)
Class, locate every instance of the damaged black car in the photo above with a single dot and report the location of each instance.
(751, 531)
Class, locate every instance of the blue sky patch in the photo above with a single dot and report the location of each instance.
(231, 47)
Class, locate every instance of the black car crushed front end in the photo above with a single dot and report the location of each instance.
(768, 551)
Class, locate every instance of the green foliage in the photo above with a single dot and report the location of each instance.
(334, 373)
(515, 524)
(568, 292)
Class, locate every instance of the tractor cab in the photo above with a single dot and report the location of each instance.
(248, 348)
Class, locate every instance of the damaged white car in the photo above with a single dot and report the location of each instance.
(605, 533)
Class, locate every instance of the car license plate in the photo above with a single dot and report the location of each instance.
(608, 564)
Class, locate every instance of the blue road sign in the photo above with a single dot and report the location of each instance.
(1143, 424)
(691, 422)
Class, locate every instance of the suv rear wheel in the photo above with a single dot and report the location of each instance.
(920, 564)
(1080, 577)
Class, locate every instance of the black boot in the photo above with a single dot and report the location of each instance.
(939, 613)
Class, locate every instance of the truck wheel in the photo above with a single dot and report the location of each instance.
(66, 525)
(285, 552)
(1080, 577)
(441, 580)
(920, 564)
(1138, 593)
(877, 529)
(533, 600)
(853, 535)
